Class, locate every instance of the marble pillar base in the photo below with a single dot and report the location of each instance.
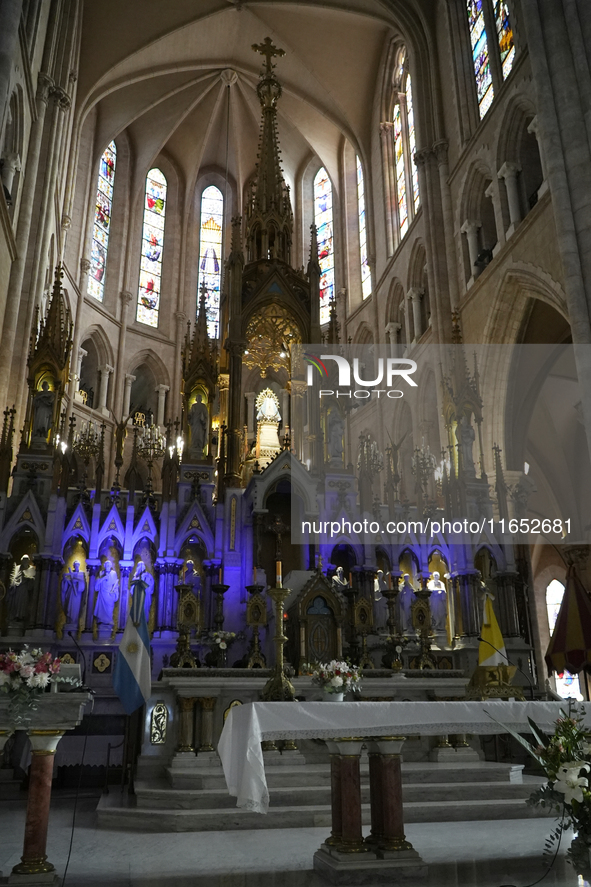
(44, 879)
(402, 869)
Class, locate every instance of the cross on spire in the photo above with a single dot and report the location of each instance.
(267, 49)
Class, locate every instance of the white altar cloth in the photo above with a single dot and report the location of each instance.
(248, 725)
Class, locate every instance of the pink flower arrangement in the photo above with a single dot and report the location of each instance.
(336, 677)
(27, 670)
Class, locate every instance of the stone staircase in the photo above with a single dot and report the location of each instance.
(195, 798)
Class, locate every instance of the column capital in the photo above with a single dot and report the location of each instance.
(470, 226)
(44, 86)
(393, 327)
(62, 99)
(82, 353)
(414, 294)
(129, 378)
(534, 126)
(509, 170)
(12, 162)
(440, 149)
(161, 389)
(84, 266)
(420, 157)
(125, 298)
(106, 368)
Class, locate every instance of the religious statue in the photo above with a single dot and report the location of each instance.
(199, 427)
(406, 599)
(107, 594)
(379, 584)
(380, 603)
(438, 602)
(42, 413)
(20, 592)
(73, 585)
(335, 435)
(465, 437)
(339, 583)
(268, 407)
(141, 572)
(192, 578)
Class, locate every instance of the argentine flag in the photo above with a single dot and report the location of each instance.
(132, 676)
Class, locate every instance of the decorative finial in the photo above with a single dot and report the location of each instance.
(267, 49)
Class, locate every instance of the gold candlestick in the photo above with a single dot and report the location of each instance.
(278, 688)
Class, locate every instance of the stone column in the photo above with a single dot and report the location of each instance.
(285, 410)
(349, 779)
(336, 800)
(389, 174)
(385, 786)
(12, 164)
(509, 172)
(232, 476)
(207, 706)
(186, 706)
(250, 423)
(415, 295)
(392, 331)
(125, 299)
(176, 406)
(10, 309)
(440, 149)
(11, 16)
(471, 228)
(409, 337)
(34, 859)
(533, 128)
(129, 380)
(105, 371)
(161, 392)
(77, 376)
(492, 192)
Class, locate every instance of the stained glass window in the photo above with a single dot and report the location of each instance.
(480, 56)
(504, 36)
(567, 684)
(102, 223)
(365, 270)
(324, 225)
(400, 171)
(210, 255)
(148, 302)
(412, 144)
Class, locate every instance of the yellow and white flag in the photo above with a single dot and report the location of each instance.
(491, 637)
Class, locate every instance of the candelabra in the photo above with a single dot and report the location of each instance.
(278, 688)
(151, 445)
(88, 444)
(369, 459)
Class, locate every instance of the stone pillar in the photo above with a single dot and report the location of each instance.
(105, 371)
(232, 476)
(336, 800)
(11, 16)
(392, 331)
(10, 309)
(175, 407)
(125, 299)
(409, 338)
(509, 172)
(207, 706)
(533, 128)
(129, 380)
(492, 192)
(471, 228)
(250, 424)
(415, 295)
(77, 376)
(186, 706)
(285, 410)
(347, 775)
(440, 149)
(12, 164)
(161, 392)
(34, 859)
(389, 174)
(385, 784)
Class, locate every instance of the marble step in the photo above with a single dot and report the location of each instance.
(113, 811)
(163, 797)
(319, 774)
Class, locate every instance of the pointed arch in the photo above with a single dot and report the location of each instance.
(102, 222)
(148, 300)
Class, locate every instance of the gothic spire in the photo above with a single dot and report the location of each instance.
(269, 216)
(55, 331)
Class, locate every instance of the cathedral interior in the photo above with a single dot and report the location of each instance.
(199, 198)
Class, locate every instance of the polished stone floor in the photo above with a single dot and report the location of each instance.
(459, 854)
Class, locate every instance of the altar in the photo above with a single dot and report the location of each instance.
(346, 857)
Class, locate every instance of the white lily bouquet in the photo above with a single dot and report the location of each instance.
(565, 757)
(336, 677)
(23, 676)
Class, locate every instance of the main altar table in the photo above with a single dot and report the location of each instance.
(346, 857)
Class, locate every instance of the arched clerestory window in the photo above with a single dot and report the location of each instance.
(210, 255)
(365, 269)
(405, 146)
(493, 47)
(148, 300)
(102, 223)
(323, 219)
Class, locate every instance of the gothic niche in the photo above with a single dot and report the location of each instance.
(270, 334)
(314, 625)
(268, 419)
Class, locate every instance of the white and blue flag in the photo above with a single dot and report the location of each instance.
(132, 676)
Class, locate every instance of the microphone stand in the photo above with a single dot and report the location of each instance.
(514, 664)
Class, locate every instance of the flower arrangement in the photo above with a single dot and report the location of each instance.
(335, 676)
(223, 639)
(24, 675)
(565, 757)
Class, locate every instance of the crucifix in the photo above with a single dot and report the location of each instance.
(267, 49)
(278, 528)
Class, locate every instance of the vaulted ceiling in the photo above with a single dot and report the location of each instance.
(160, 72)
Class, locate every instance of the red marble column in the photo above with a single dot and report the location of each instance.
(386, 787)
(34, 859)
(349, 778)
(335, 795)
